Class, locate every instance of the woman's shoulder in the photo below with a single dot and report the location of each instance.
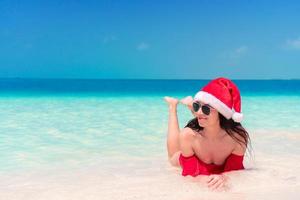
(240, 144)
(188, 133)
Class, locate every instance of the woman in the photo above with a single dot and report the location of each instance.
(214, 141)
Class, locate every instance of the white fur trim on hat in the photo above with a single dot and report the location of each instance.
(237, 117)
(215, 103)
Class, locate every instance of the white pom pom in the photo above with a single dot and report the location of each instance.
(237, 117)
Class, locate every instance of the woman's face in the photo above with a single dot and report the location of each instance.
(207, 120)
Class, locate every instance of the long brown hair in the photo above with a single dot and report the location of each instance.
(231, 127)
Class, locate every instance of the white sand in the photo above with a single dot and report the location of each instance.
(274, 173)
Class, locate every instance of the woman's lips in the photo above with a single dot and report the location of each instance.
(202, 117)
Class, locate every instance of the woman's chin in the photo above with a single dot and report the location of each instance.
(202, 122)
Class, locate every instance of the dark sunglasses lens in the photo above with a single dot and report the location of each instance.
(205, 110)
(196, 107)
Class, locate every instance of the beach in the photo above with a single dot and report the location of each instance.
(101, 145)
(83, 114)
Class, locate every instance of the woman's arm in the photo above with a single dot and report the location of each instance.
(186, 138)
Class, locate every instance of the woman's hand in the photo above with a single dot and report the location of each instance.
(216, 181)
(188, 101)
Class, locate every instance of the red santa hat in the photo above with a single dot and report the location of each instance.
(223, 95)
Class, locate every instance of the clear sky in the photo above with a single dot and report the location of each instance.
(150, 39)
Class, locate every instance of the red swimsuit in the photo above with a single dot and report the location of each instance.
(193, 166)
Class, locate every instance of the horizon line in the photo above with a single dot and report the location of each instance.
(150, 79)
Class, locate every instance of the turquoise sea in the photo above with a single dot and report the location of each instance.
(61, 137)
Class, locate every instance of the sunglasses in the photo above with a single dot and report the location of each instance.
(204, 108)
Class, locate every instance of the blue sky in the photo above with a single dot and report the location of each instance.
(150, 39)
